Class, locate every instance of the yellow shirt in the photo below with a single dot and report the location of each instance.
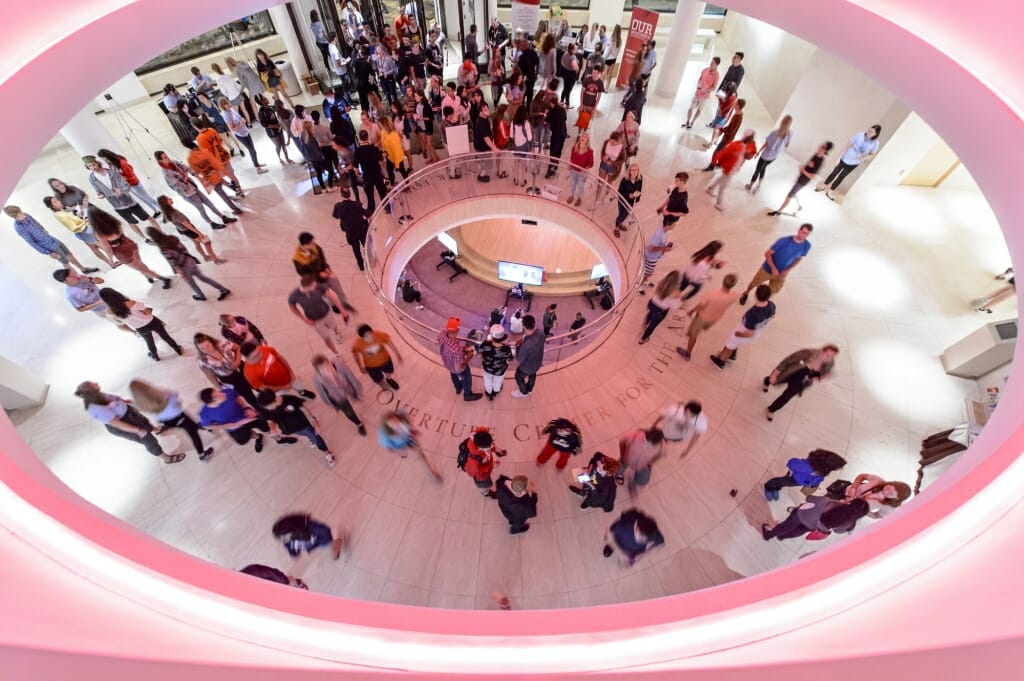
(71, 221)
(391, 142)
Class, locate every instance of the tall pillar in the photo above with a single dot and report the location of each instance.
(284, 28)
(86, 134)
(607, 13)
(672, 60)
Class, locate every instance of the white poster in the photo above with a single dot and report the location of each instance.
(525, 16)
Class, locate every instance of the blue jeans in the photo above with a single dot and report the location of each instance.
(313, 436)
(577, 184)
(463, 382)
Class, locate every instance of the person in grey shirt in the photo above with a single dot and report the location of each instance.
(109, 184)
(530, 355)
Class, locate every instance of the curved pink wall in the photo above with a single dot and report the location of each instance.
(951, 557)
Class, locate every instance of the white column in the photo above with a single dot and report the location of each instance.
(672, 60)
(283, 26)
(86, 134)
(608, 13)
(19, 388)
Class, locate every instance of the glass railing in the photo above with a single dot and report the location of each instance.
(454, 179)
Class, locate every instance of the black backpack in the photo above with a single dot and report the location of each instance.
(464, 454)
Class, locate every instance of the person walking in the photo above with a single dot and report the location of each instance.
(77, 225)
(706, 84)
(221, 363)
(209, 141)
(224, 410)
(352, 219)
(455, 355)
(530, 356)
(265, 367)
(311, 302)
(631, 187)
(581, 156)
(178, 178)
(550, 319)
(300, 532)
(666, 298)
(185, 265)
(799, 371)
(724, 113)
(370, 350)
(337, 386)
(121, 419)
(112, 239)
(397, 433)
(676, 204)
(779, 260)
(136, 316)
(495, 355)
(369, 159)
(39, 239)
(632, 535)
(289, 414)
(750, 327)
(477, 458)
(517, 500)
(861, 147)
(730, 159)
(169, 413)
(209, 170)
(110, 184)
(707, 312)
(657, 246)
(564, 438)
(701, 264)
(638, 450)
(808, 472)
(185, 228)
(776, 142)
(807, 173)
(597, 483)
(309, 258)
(683, 422)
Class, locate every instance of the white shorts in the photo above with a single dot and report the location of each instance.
(327, 327)
(734, 341)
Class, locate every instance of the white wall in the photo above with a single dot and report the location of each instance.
(128, 90)
(774, 60)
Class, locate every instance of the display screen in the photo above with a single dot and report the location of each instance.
(599, 271)
(448, 242)
(519, 273)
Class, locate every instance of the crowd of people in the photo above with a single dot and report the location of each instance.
(254, 392)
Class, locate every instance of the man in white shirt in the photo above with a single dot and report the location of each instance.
(681, 422)
(339, 63)
(202, 83)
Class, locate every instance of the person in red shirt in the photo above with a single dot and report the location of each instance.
(266, 368)
(476, 457)
(724, 113)
(731, 159)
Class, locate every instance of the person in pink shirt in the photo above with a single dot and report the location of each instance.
(709, 310)
(706, 84)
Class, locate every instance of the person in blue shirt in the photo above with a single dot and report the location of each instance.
(860, 148)
(82, 292)
(808, 472)
(633, 534)
(299, 532)
(223, 409)
(779, 260)
(36, 236)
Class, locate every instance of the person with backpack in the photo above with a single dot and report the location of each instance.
(564, 437)
(477, 457)
(397, 434)
(597, 484)
(517, 500)
(810, 471)
(818, 517)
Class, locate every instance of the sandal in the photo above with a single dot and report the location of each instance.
(173, 458)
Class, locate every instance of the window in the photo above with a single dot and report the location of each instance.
(545, 5)
(244, 30)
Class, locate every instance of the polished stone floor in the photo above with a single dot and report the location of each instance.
(888, 280)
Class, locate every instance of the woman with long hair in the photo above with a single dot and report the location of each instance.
(271, 75)
(251, 82)
(136, 316)
(500, 129)
(581, 156)
(186, 228)
(117, 245)
(520, 140)
(337, 387)
(299, 532)
(185, 264)
(613, 156)
(496, 73)
(777, 141)
(820, 515)
(166, 406)
(403, 126)
(548, 59)
(377, 109)
(73, 198)
(178, 177)
(230, 88)
(631, 187)
(78, 226)
(221, 363)
(423, 115)
(612, 47)
(275, 130)
(121, 419)
(541, 34)
(210, 110)
(119, 162)
(515, 91)
(665, 299)
(810, 471)
(317, 158)
(883, 496)
(391, 145)
(240, 330)
(701, 263)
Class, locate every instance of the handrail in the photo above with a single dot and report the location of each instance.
(600, 206)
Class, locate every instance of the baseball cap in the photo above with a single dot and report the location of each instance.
(453, 324)
(497, 332)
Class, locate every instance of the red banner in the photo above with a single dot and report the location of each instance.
(641, 30)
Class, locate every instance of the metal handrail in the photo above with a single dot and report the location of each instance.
(413, 195)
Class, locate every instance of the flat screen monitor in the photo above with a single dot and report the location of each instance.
(519, 273)
(448, 242)
(599, 271)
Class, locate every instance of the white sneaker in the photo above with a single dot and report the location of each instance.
(330, 460)
(260, 171)
(516, 393)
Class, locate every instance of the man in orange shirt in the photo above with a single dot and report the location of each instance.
(209, 140)
(266, 368)
(731, 159)
(207, 169)
(372, 357)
